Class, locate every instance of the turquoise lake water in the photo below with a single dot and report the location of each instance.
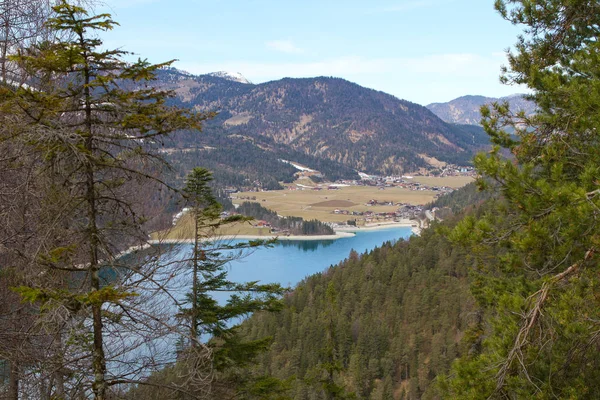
(288, 262)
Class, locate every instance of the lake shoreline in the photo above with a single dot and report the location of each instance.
(383, 225)
(340, 233)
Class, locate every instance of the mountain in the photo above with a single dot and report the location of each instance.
(324, 118)
(465, 109)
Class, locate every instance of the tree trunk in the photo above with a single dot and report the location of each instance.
(13, 383)
(99, 360)
(6, 29)
(59, 369)
(194, 321)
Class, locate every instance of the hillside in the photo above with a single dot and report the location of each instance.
(246, 163)
(465, 109)
(397, 316)
(323, 119)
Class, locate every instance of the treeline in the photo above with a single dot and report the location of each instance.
(246, 163)
(384, 325)
(295, 225)
(242, 166)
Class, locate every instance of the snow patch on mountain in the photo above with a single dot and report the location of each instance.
(232, 76)
(298, 166)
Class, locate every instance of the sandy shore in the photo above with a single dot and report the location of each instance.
(340, 232)
(338, 235)
(383, 225)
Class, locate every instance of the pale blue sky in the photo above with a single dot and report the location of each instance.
(420, 50)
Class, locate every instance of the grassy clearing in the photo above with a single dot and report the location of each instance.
(305, 203)
(334, 203)
(184, 229)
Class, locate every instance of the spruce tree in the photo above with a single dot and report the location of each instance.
(210, 321)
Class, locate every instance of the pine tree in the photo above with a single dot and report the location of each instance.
(542, 290)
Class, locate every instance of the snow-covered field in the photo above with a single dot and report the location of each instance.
(298, 166)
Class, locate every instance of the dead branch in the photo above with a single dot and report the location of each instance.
(530, 319)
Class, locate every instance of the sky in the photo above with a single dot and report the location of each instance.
(423, 51)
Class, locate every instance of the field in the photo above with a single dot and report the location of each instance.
(313, 204)
(320, 204)
(450, 181)
(185, 230)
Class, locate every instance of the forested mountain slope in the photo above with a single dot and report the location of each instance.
(325, 118)
(394, 319)
(248, 163)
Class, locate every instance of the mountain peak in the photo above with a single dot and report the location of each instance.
(231, 76)
(466, 109)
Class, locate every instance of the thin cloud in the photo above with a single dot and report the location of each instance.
(409, 5)
(455, 64)
(284, 46)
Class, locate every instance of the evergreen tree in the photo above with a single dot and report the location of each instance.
(208, 319)
(376, 324)
(331, 365)
(542, 292)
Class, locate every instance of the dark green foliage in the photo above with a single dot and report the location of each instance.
(540, 339)
(209, 275)
(316, 179)
(248, 164)
(94, 145)
(206, 317)
(471, 134)
(295, 225)
(385, 322)
(457, 201)
(236, 163)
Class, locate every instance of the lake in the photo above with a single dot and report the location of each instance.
(288, 262)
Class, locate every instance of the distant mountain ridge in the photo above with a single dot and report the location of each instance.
(325, 118)
(232, 76)
(465, 109)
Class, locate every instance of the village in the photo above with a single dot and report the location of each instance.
(309, 179)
